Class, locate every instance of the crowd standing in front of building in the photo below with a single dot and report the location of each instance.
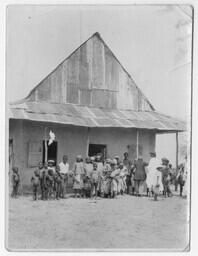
(105, 178)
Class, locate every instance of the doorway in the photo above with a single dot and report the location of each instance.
(95, 149)
(11, 155)
(51, 151)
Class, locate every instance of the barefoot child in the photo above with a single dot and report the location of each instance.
(58, 182)
(15, 182)
(95, 180)
(35, 180)
(43, 182)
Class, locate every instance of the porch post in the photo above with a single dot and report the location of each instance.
(137, 144)
(46, 145)
(87, 151)
(177, 150)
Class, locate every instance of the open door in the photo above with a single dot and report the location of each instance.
(52, 151)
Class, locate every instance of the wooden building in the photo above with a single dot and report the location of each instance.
(92, 105)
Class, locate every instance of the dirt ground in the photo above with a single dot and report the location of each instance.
(127, 222)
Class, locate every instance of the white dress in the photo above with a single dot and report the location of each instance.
(153, 173)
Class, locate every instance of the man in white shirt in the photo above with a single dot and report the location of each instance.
(64, 166)
(64, 170)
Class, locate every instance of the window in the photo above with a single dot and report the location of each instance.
(94, 149)
(34, 153)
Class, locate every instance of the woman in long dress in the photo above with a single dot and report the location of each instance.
(106, 179)
(122, 179)
(78, 173)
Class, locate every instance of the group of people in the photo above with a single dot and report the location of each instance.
(106, 178)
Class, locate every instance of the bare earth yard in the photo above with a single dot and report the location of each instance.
(125, 223)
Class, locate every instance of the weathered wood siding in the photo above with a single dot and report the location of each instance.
(91, 76)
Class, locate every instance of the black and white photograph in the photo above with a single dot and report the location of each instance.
(98, 134)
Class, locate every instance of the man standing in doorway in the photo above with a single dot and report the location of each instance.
(64, 170)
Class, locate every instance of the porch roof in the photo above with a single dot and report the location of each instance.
(79, 115)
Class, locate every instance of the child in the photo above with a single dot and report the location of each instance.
(78, 176)
(35, 180)
(43, 183)
(157, 182)
(40, 168)
(51, 164)
(15, 182)
(95, 180)
(166, 177)
(50, 183)
(58, 182)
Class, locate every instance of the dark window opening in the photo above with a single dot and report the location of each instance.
(95, 149)
(51, 151)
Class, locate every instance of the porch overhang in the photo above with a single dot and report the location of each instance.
(84, 116)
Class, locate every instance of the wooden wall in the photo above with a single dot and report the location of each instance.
(91, 76)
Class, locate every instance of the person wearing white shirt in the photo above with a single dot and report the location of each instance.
(64, 166)
(154, 163)
(64, 170)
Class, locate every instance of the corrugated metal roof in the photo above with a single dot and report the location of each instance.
(94, 117)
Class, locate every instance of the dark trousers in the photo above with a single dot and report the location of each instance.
(15, 190)
(181, 189)
(128, 183)
(167, 190)
(176, 185)
(138, 184)
(35, 192)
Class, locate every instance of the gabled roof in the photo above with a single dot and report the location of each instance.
(38, 106)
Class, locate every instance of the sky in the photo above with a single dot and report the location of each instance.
(153, 43)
